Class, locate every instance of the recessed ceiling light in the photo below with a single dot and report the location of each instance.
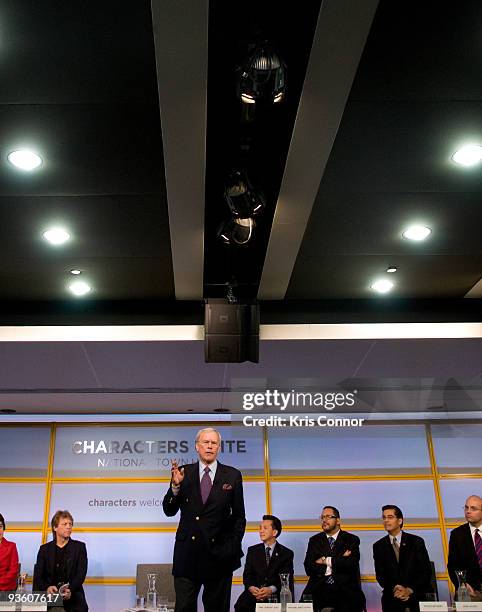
(80, 288)
(24, 159)
(417, 232)
(56, 235)
(382, 285)
(469, 155)
(391, 270)
(75, 272)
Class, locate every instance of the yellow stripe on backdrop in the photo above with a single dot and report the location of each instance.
(48, 483)
(434, 475)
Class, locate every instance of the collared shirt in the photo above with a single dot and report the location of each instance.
(472, 531)
(328, 559)
(271, 551)
(61, 564)
(398, 537)
(212, 466)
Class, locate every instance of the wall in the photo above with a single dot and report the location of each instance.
(113, 478)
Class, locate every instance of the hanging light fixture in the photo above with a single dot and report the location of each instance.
(236, 232)
(245, 203)
(242, 199)
(263, 76)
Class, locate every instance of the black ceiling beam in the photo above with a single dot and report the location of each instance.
(164, 312)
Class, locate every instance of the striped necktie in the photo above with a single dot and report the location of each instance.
(478, 547)
(267, 551)
(206, 485)
(331, 542)
(396, 549)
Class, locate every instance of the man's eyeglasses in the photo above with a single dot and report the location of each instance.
(325, 517)
(473, 508)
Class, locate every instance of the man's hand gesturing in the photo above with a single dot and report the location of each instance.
(177, 474)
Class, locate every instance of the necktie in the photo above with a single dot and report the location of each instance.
(267, 550)
(478, 546)
(331, 542)
(206, 485)
(396, 549)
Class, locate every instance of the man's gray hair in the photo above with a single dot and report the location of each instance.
(207, 430)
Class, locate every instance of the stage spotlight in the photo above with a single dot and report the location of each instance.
(242, 199)
(263, 76)
(236, 231)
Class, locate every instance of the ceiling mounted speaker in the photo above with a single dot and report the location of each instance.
(231, 332)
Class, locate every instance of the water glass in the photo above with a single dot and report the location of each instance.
(430, 597)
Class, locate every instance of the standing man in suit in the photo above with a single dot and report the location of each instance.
(332, 563)
(264, 563)
(211, 528)
(62, 563)
(402, 565)
(465, 548)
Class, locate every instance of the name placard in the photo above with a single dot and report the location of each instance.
(430, 606)
(465, 606)
(268, 606)
(299, 606)
(23, 606)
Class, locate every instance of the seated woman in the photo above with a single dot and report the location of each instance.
(62, 563)
(8, 561)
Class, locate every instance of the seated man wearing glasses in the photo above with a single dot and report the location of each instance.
(332, 563)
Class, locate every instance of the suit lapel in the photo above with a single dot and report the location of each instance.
(275, 554)
(195, 485)
(405, 547)
(338, 544)
(324, 545)
(390, 552)
(51, 558)
(469, 544)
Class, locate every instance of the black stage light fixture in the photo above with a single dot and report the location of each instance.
(242, 199)
(237, 231)
(263, 76)
(245, 204)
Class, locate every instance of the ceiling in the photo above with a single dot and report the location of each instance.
(133, 108)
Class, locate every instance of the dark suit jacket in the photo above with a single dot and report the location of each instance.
(345, 570)
(43, 576)
(208, 538)
(257, 573)
(413, 570)
(462, 556)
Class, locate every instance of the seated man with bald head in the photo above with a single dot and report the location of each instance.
(465, 548)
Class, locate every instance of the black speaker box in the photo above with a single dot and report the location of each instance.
(231, 332)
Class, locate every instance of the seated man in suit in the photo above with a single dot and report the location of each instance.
(264, 563)
(402, 566)
(62, 565)
(465, 548)
(333, 564)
